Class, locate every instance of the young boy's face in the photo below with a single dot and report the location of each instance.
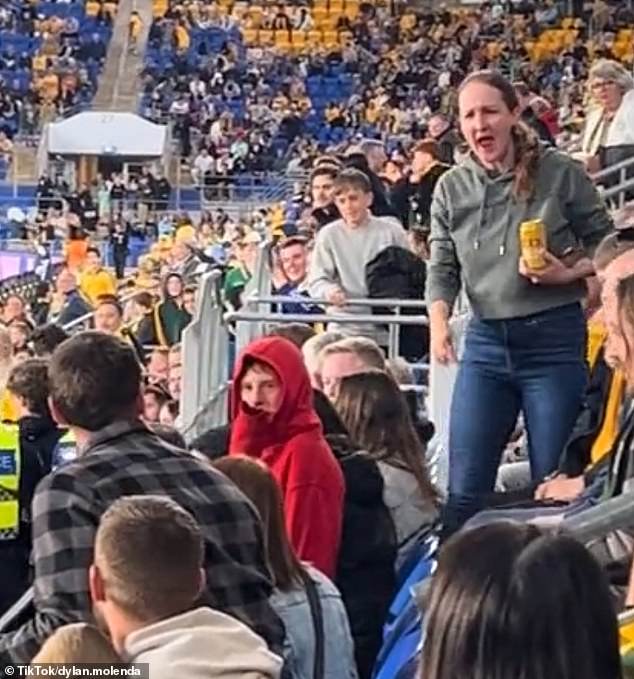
(353, 205)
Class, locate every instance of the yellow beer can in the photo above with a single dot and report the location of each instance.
(533, 243)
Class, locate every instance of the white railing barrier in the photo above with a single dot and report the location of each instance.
(392, 321)
(205, 358)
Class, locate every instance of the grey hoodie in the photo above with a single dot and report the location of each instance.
(474, 239)
(202, 644)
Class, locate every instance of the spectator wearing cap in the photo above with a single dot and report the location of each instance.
(95, 281)
(412, 195)
(442, 132)
(529, 116)
(95, 385)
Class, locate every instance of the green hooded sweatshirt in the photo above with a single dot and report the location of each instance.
(475, 222)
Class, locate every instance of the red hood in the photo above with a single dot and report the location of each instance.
(250, 433)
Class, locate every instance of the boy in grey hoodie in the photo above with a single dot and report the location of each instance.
(344, 247)
(144, 583)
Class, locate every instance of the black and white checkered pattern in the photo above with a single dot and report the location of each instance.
(126, 459)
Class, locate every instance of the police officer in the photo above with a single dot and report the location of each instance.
(28, 451)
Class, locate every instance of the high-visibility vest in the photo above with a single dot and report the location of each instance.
(10, 466)
(65, 451)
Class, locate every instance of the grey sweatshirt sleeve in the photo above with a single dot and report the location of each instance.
(322, 275)
(443, 271)
(587, 214)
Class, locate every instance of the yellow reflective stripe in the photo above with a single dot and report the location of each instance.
(9, 481)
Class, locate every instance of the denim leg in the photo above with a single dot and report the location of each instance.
(484, 411)
(551, 402)
(551, 373)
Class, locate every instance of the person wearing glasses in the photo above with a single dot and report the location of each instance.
(608, 135)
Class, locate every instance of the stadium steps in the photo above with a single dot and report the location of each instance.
(24, 168)
(120, 83)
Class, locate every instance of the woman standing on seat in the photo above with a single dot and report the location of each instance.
(525, 346)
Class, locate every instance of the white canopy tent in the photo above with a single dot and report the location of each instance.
(114, 134)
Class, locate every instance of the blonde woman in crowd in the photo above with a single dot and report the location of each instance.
(608, 135)
(77, 643)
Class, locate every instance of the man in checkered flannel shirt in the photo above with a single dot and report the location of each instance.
(95, 385)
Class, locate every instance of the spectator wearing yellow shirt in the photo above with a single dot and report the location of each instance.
(95, 281)
(134, 31)
(181, 35)
(185, 233)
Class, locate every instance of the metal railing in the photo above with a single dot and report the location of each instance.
(621, 168)
(606, 517)
(619, 193)
(620, 177)
(83, 322)
(392, 321)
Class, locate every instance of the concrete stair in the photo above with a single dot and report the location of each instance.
(119, 86)
(24, 165)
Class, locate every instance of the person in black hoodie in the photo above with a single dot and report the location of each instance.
(39, 437)
(365, 573)
(412, 195)
(322, 183)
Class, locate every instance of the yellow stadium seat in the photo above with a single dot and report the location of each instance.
(282, 38)
(331, 39)
(266, 38)
(320, 5)
(319, 14)
(250, 36)
(568, 22)
(299, 39)
(336, 7)
(92, 8)
(314, 38)
(351, 11)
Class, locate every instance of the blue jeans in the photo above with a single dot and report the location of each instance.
(535, 365)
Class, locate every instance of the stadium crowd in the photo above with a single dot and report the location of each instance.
(288, 542)
(252, 88)
(51, 55)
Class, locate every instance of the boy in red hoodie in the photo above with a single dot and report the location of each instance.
(274, 420)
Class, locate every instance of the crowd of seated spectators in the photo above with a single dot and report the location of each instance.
(245, 530)
(51, 55)
(240, 102)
